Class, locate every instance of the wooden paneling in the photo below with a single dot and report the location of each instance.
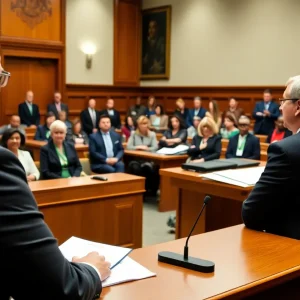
(126, 42)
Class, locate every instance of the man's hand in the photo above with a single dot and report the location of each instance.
(95, 130)
(259, 113)
(111, 161)
(200, 160)
(32, 126)
(266, 113)
(97, 261)
(31, 178)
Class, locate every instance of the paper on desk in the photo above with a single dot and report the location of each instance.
(127, 270)
(75, 246)
(170, 151)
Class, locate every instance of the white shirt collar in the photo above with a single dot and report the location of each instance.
(298, 130)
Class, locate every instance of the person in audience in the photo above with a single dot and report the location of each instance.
(128, 127)
(43, 131)
(279, 133)
(29, 112)
(150, 106)
(234, 109)
(57, 106)
(15, 123)
(207, 144)
(198, 110)
(113, 114)
(59, 158)
(273, 205)
(78, 135)
(175, 135)
(193, 130)
(137, 110)
(90, 118)
(159, 121)
(245, 144)
(181, 111)
(265, 114)
(214, 113)
(62, 116)
(106, 149)
(13, 139)
(27, 244)
(229, 129)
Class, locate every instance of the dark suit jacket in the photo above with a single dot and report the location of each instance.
(273, 205)
(50, 163)
(25, 115)
(115, 119)
(32, 265)
(52, 107)
(97, 148)
(86, 121)
(265, 125)
(40, 134)
(212, 150)
(286, 134)
(191, 115)
(251, 149)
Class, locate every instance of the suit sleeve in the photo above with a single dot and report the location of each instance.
(256, 149)
(193, 152)
(230, 151)
(259, 209)
(78, 167)
(256, 110)
(94, 155)
(120, 152)
(86, 127)
(33, 262)
(38, 116)
(189, 119)
(38, 135)
(275, 114)
(118, 119)
(44, 165)
(22, 115)
(217, 150)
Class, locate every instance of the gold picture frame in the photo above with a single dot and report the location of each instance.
(155, 43)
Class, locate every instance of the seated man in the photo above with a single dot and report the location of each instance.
(15, 123)
(106, 149)
(245, 144)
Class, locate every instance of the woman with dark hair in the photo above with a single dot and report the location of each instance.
(159, 121)
(150, 107)
(181, 111)
(128, 127)
(43, 131)
(230, 128)
(13, 140)
(78, 135)
(175, 135)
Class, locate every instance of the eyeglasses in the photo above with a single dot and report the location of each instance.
(282, 100)
(4, 76)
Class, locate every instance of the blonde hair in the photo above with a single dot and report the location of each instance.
(180, 100)
(141, 120)
(210, 123)
(58, 125)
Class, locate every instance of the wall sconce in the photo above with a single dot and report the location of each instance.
(89, 50)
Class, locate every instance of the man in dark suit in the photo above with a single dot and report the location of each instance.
(265, 114)
(243, 145)
(113, 114)
(43, 131)
(57, 106)
(198, 111)
(273, 205)
(34, 268)
(90, 118)
(106, 149)
(29, 112)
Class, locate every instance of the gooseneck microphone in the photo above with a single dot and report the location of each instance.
(184, 261)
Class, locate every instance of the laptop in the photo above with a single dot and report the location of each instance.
(242, 162)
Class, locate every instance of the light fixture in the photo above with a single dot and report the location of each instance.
(89, 49)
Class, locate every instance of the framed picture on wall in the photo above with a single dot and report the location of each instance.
(155, 48)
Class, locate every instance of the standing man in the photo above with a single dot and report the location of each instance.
(233, 108)
(57, 106)
(90, 118)
(34, 267)
(198, 111)
(29, 112)
(265, 114)
(113, 114)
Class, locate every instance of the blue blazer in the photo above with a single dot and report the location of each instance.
(251, 150)
(265, 125)
(97, 148)
(201, 115)
(50, 163)
(26, 117)
(40, 134)
(52, 107)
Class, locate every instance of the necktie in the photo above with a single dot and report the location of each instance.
(30, 108)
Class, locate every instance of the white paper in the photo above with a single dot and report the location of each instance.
(75, 246)
(127, 270)
(169, 151)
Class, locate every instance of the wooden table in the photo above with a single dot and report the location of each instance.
(103, 211)
(184, 191)
(248, 264)
(35, 147)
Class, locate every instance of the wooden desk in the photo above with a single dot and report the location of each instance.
(104, 211)
(248, 264)
(35, 147)
(185, 191)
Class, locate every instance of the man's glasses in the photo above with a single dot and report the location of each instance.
(4, 76)
(282, 100)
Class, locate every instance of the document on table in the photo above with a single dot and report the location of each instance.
(240, 177)
(176, 150)
(75, 246)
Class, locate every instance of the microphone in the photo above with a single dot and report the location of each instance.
(184, 261)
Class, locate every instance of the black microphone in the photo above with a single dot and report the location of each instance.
(184, 261)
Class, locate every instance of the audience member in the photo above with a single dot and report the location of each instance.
(181, 111)
(29, 112)
(245, 144)
(137, 110)
(279, 133)
(193, 130)
(43, 131)
(150, 110)
(128, 127)
(90, 118)
(214, 113)
(230, 124)
(207, 144)
(265, 114)
(13, 140)
(106, 149)
(113, 114)
(159, 120)
(198, 110)
(234, 109)
(59, 158)
(57, 106)
(15, 123)
(62, 116)
(78, 135)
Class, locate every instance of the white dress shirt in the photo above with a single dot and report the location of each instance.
(93, 116)
(28, 164)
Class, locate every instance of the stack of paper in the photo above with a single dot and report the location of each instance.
(169, 151)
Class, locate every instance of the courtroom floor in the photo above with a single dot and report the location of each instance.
(155, 229)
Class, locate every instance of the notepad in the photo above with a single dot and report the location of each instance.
(176, 150)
